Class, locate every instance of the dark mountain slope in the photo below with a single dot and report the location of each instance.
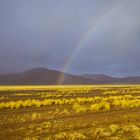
(44, 76)
(41, 76)
(101, 78)
(104, 79)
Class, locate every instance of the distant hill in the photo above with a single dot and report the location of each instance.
(131, 80)
(41, 76)
(101, 78)
(104, 79)
(44, 76)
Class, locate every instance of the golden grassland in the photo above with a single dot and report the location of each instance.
(108, 112)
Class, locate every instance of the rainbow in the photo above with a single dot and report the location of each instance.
(98, 24)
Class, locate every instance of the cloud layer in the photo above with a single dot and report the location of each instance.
(45, 34)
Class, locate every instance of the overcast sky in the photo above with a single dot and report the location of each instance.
(76, 36)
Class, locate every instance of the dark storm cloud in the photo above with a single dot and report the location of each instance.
(44, 33)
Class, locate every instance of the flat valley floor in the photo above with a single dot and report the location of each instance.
(105, 112)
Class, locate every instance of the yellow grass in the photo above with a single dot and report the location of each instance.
(65, 112)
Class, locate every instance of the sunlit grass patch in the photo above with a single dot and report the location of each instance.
(71, 112)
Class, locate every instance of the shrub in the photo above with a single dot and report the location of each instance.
(79, 108)
(34, 116)
(95, 107)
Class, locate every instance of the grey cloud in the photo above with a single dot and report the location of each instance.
(44, 33)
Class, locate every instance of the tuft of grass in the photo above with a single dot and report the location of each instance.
(79, 108)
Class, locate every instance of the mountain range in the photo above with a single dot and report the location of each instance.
(44, 76)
